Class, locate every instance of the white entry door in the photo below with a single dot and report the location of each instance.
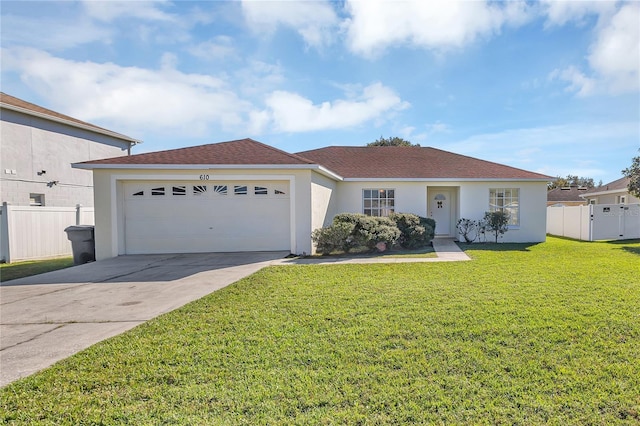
(440, 211)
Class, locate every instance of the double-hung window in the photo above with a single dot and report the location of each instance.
(378, 202)
(506, 200)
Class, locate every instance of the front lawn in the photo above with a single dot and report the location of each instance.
(523, 334)
(12, 271)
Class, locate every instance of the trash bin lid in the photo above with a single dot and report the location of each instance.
(79, 228)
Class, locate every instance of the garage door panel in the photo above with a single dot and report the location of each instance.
(206, 221)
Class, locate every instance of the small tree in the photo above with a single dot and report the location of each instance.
(496, 222)
(633, 173)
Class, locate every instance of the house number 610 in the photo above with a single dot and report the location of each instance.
(204, 177)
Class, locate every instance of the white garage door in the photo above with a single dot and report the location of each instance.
(189, 217)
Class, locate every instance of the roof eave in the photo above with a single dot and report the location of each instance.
(437, 179)
(71, 123)
(318, 168)
(607, 192)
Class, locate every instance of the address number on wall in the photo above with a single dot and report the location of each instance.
(204, 177)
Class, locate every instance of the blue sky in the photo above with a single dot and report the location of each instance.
(547, 86)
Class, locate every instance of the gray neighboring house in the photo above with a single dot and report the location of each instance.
(615, 192)
(37, 147)
(566, 196)
(41, 193)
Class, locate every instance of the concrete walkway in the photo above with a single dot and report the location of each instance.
(446, 250)
(46, 318)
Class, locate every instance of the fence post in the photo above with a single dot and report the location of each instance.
(590, 222)
(78, 213)
(4, 233)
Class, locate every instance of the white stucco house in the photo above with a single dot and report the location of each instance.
(615, 192)
(244, 195)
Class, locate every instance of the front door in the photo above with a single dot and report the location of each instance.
(440, 211)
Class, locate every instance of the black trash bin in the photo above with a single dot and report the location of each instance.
(83, 243)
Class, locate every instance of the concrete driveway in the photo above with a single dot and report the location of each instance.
(48, 317)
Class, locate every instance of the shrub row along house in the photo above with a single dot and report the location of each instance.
(244, 195)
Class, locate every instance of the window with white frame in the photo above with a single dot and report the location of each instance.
(378, 202)
(506, 200)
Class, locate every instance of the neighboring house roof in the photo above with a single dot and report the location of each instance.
(238, 152)
(19, 105)
(619, 185)
(339, 162)
(398, 162)
(567, 194)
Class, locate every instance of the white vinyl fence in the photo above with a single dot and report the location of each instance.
(595, 222)
(28, 233)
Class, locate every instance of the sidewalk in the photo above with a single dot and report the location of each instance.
(446, 249)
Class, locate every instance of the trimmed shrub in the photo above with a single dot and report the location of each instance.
(369, 230)
(356, 230)
(430, 226)
(332, 238)
(415, 231)
(372, 230)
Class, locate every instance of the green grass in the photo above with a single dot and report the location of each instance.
(523, 334)
(11, 271)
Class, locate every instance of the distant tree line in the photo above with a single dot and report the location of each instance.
(572, 180)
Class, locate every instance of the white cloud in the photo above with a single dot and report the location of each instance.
(291, 112)
(313, 20)
(52, 33)
(614, 58)
(166, 99)
(561, 12)
(258, 78)
(616, 53)
(375, 25)
(109, 11)
(430, 129)
(220, 47)
(580, 83)
(130, 97)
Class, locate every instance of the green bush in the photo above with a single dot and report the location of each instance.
(332, 238)
(356, 230)
(415, 231)
(429, 225)
(369, 230)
